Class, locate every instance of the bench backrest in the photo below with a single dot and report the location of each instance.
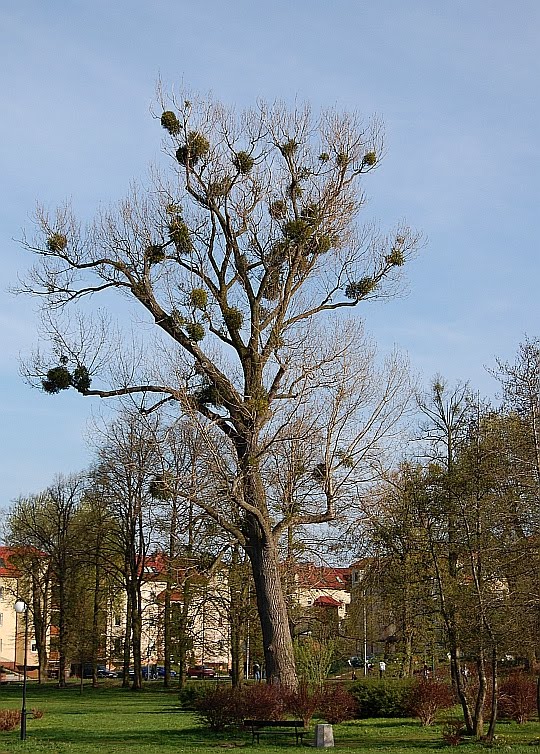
(274, 723)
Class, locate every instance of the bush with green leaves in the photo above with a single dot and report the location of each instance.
(313, 657)
(381, 698)
(190, 694)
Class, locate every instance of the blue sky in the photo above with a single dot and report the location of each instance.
(456, 83)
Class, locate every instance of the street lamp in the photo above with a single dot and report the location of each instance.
(22, 607)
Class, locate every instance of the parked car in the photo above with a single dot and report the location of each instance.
(201, 671)
(102, 672)
(160, 671)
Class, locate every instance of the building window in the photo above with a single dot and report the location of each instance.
(0, 645)
(1, 619)
(117, 620)
(1, 592)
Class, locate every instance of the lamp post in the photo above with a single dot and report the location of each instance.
(22, 607)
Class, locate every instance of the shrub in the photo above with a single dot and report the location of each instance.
(313, 657)
(222, 707)
(337, 704)
(261, 701)
(380, 698)
(9, 719)
(427, 697)
(304, 702)
(517, 698)
(218, 707)
(190, 694)
(37, 714)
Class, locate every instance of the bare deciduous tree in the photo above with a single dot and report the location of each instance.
(233, 260)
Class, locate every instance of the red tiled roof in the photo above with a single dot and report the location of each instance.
(322, 577)
(326, 601)
(176, 596)
(6, 566)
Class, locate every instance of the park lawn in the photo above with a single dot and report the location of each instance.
(116, 721)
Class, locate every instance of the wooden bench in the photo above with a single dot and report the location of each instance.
(258, 727)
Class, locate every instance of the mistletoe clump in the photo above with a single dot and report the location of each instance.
(195, 331)
(80, 379)
(258, 402)
(170, 122)
(370, 158)
(359, 289)
(396, 256)
(177, 317)
(57, 379)
(173, 209)
(57, 242)
(154, 254)
(273, 283)
(289, 148)
(323, 244)
(243, 162)
(220, 188)
(233, 317)
(196, 147)
(60, 378)
(298, 231)
(277, 209)
(179, 235)
(198, 298)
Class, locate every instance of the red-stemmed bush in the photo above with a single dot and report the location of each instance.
(304, 702)
(427, 697)
(517, 698)
(336, 704)
(9, 719)
(219, 707)
(261, 701)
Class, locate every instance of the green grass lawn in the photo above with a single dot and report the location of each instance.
(110, 719)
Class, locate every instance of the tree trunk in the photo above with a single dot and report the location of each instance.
(62, 634)
(277, 641)
(136, 634)
(458, 683)
(481, 696)
(238, 654)
(494, 697)
(95, 621)
(167, 632)
(127, 642)
(40, 615)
